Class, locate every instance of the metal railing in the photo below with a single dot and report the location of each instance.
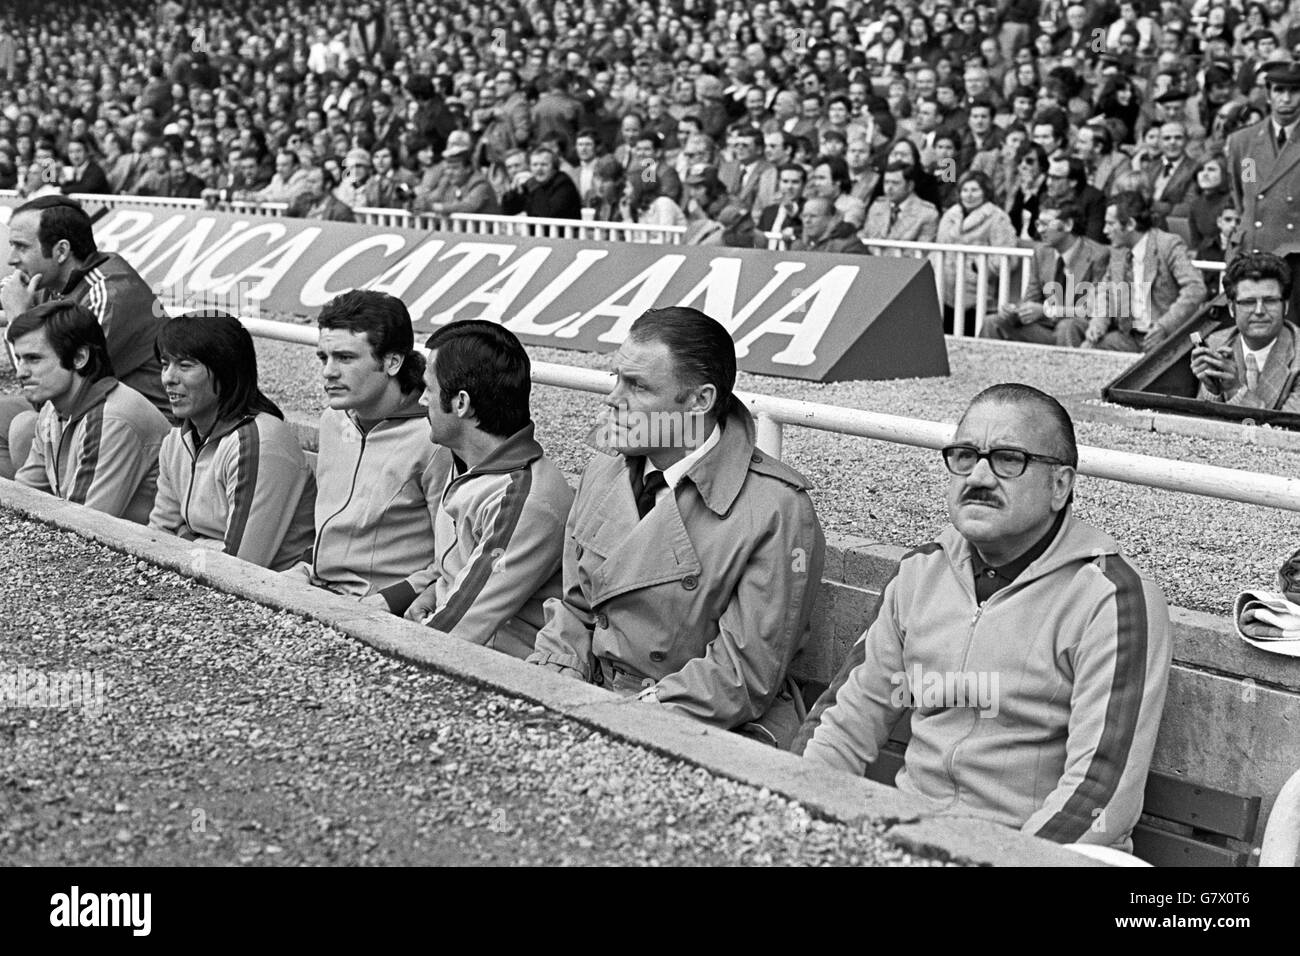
(590, 230)
(773, 414)
(1008, 265)
(472, 223)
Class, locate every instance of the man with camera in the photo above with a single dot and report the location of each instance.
(1256, 362)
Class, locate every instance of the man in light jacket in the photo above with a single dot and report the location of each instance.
(500, 518)
(1032, 656)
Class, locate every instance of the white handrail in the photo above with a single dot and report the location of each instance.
(1270, 491)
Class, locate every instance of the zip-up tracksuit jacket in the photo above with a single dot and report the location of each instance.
(105, 456)
(1080, 648)
(131, 316)
(247, 491)
(500, 535)
(376, 497)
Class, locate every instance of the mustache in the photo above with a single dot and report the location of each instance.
(980, 496)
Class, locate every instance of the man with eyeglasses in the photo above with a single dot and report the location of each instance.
(1068, 642)
(1257, 361)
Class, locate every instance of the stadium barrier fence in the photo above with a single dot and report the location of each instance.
(474, 223)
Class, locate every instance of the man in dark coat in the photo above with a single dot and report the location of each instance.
(1264, 167)
(542, 193)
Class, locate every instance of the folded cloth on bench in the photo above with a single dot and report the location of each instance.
(1267, 620)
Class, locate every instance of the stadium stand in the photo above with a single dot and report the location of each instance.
(262, 103)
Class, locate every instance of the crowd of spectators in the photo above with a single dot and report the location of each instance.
(920, 120)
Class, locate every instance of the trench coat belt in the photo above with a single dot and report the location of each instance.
(610, 671)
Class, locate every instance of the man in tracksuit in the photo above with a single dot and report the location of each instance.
(377, 475)
(1033, 657)
(500, 519)
(96, 441)
(53, 254)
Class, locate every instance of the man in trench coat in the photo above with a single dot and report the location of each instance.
(691, 559)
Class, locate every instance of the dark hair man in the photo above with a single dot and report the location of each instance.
(691, 559)
(1067, 181)
(1257, 361)
(782, 216)
(232, 476)
(1153, 284)
(377, 477)
(53, 254)
(500, 519)
(96, 440)
(900, 213)
(1050, 651)
(1066, 271)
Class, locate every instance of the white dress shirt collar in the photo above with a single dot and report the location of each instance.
(1261, 355)
(674, 473)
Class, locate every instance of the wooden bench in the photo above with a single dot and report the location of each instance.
(1182, 823)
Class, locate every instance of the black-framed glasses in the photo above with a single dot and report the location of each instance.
(1005, 462)
(1269, 303)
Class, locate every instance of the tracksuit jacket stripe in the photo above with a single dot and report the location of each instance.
(93, 424)
(97, 299)
(496, 544)
(1101, 781)
(245, 486)
(857, 654)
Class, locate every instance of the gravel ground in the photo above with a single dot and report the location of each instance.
(1200, 550)
(225, 733)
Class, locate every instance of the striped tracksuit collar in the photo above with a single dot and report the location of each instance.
(78, 275)
(1073, 542)
(194, 441)
(410, 409)
(95, 394)
(518, 451)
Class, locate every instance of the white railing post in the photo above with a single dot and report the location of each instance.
(959, 294)
(768, 434)
(981, 292)
(1004, 280)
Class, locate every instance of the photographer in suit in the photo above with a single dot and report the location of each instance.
(1257, 361)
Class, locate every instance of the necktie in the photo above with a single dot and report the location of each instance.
(646, 488)
(1252, 373)
(1281, 136)
(1125, 318)
(1060, 272)
(893, 214)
